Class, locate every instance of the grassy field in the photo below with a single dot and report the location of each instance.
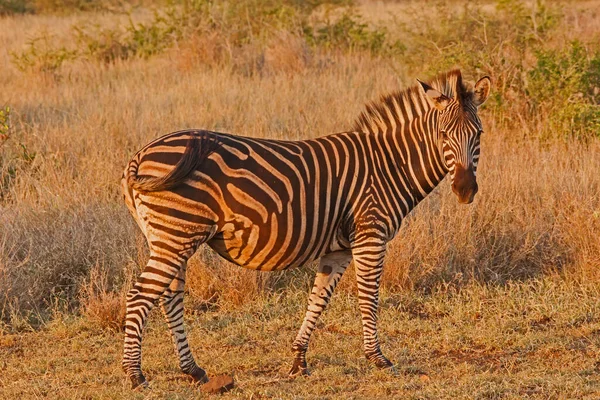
(495, 300)
(531, 340)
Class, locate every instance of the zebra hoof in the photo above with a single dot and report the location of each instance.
(382, 363)
(138, 382)
(392, 370)
(199, 376)
(299, 368)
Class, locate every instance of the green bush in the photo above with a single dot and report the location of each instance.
(15, 156)
(54, 6)
(10, 7)
(7, 172)
(350, 32)
(543, 88)
(13, 161)
(566, 85)
(145, 40)
(4, 123)
(235, 23)
(142, 40)
(105, 45)
(531, 22)
(41, 55)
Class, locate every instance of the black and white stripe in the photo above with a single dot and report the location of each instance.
(272, 204)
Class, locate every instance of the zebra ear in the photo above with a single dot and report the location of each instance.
(482, 90)
(439, 100)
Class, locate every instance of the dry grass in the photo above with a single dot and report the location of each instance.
(495, 300)
(537, 340)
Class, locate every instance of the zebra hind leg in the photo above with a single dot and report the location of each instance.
(331, 268)
(163, 266)
(172, 306)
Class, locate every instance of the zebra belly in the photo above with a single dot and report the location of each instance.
(255, 246)
(261, 247)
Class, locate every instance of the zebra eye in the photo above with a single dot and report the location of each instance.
(444, 135)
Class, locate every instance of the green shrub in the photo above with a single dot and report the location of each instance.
(15, 156)
(4, 123)
(105, 45)
(7, 171)
(475, 38)
(533, 21)
(53, 6)
(235, 23)
(238, 23)
(541, 87)
(142, 39)
(350, 32)
(14, 161)
(10, 7)
(566, 85)
(145, 40)
(41, 55)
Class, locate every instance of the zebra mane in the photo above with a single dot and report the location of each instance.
(378, 113)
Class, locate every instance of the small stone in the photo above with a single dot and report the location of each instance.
(218, 384)
(424, 378)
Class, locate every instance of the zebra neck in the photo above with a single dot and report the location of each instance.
(417, 154)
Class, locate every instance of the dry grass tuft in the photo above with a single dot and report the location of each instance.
(201, 50)
(100, 303)
(215, 283)
(286, 53)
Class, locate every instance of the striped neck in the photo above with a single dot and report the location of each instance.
(407, 123)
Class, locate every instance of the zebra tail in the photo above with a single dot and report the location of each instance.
(197, 149)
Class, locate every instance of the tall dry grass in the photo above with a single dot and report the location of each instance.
(65, 234)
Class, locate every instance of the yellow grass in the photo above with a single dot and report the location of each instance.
(499, 299)
(536, 340)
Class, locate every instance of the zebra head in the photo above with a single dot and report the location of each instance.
(458, 132)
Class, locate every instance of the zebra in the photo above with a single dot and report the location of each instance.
(272, 204)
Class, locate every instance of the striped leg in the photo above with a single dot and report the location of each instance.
(171, 303)
(368, 263)
(150, 286)
(331, 268)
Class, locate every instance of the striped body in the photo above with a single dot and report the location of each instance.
(260, 196)
(271, 205)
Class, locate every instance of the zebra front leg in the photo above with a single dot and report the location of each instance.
(172, 306)
(368, 263)
(151, 284)
(331, 268)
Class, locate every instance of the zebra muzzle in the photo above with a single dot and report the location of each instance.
(465, 184)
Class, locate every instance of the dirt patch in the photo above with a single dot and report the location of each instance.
(218, 384)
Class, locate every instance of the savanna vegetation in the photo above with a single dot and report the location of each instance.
(498, 299)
